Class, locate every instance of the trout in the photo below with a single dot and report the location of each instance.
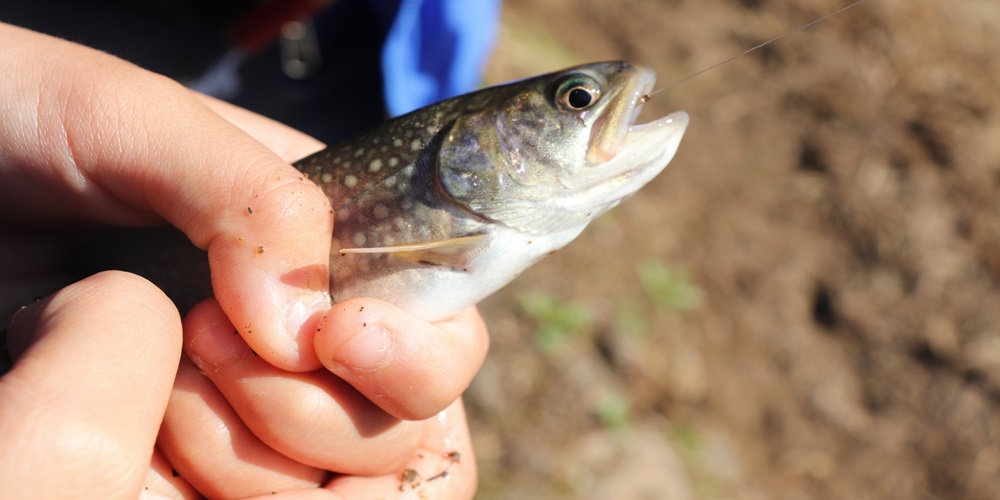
(437, 209)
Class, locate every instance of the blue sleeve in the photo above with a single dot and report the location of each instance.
(436, 49)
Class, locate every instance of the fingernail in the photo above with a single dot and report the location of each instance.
(217, 346)
(304, 312)
(368, 349)
(21, 331)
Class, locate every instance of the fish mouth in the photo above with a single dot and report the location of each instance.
(607, 138)
(622, 155)
(618, 145)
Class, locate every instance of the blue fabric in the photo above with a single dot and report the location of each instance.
(436, 49)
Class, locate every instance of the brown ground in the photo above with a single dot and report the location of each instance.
(806, 304)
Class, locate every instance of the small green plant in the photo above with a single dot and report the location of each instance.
(669, 288)
(688, 442)
(555, 319)
(614, 412)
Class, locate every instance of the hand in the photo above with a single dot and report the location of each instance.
(316, 421)
(87, 137)
(96, 361)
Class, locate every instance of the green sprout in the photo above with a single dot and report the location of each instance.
(670, 288)
(614, 412)
(556, 320)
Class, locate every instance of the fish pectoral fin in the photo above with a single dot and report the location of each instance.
(456, 253)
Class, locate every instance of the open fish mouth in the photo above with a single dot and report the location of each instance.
(623, 155)
(620, 115)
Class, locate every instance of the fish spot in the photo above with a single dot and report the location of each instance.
(380, 211)
(388, 240)
(375, 165)
(343, 214)
(327, 177)
(359, 153)
(391, 181)
(337, 160)
(384, 149)
(415, 145)
(399, 223)
(376, 140)
(359, 239)
(431, 129)
(350, 181)
(406, 204)
(397, 142)
(393, 162)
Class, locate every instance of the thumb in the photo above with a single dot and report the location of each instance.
(79, 412)
(88, 136)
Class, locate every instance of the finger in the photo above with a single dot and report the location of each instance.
(164, 482)
(207, 444)
(409, 368)
(81, 407)
(313, 418)
(443, 467)
(88, 136)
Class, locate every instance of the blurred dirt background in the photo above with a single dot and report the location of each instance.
(806, 304)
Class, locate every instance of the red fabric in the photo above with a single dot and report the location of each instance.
(260, 25)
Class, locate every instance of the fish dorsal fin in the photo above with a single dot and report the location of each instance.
(456, 253)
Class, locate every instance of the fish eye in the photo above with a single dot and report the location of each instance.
(577, 94)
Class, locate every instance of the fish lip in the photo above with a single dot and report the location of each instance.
(646, 150)
(609, 132)
(668, 128)
(678, 119)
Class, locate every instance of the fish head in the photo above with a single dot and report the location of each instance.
(554, 152)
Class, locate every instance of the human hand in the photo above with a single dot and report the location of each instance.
(82, 140)
(314, 422)
(80, 411)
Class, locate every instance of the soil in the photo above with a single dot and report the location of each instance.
(806, 304)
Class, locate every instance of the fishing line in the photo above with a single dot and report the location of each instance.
(755, 47)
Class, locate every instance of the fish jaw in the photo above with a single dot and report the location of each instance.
(646, 150)
(620, 151)
(609, 132)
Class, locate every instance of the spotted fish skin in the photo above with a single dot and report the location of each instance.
(383, 189)
(439, 208)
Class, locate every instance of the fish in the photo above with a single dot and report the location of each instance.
(437, 209)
